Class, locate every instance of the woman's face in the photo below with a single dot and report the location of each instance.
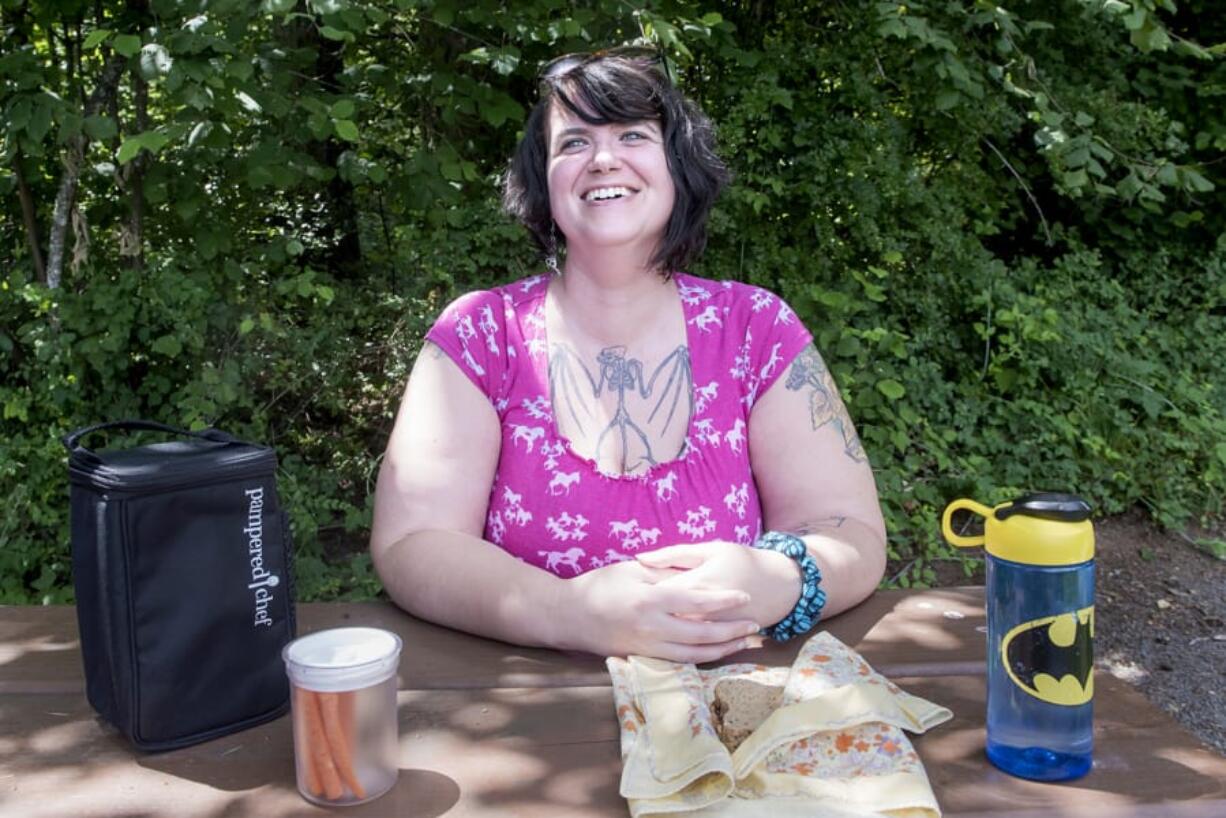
(609, 185)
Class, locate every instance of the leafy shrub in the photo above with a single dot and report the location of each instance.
(1004, 228)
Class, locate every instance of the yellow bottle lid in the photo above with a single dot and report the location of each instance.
(1036, 529)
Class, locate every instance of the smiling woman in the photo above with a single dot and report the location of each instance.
(609, 185)
(621, 457)
(629, 94)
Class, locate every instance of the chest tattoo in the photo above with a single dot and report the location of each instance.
(646, 411)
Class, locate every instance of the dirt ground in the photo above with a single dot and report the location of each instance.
(1160, 620)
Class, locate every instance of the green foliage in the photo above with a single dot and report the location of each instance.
(1004, 227)
(1213, 546)
(1013, 295)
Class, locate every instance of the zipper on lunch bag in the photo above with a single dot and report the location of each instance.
(189, 478)
(131, 691)
(108, 645)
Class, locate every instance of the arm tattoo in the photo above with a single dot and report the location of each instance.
(818, 526)
(809, 374)
(573, 390)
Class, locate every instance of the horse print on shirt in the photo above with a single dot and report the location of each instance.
(646, 411)
(553, 502)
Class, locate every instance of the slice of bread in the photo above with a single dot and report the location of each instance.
(740, 706)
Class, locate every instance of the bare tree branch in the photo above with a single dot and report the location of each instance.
(108, 81)
(1025, 187)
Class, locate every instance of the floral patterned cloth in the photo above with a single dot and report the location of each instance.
(835, 747)
(553, 508)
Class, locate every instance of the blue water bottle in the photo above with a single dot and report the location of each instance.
(1040, 603)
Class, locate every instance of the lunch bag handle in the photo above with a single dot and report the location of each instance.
(73, 441)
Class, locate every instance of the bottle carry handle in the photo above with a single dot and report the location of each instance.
(947, 520)
(72, 441)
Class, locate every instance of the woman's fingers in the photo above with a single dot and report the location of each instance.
(654, 574)
(706, 633)
(628, 610)
(698, 654)
(682, 601)
(684, 555)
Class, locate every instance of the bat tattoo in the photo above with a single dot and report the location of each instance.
(574, 391)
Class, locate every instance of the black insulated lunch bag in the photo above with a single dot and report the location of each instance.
(181, 561)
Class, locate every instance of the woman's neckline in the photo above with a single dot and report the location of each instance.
(653, 470)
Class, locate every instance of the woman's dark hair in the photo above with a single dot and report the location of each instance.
(603, 89)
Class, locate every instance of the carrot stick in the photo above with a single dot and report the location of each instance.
(341, 745)
(348, 707)
(320, 753)
(310, 776)
(348, 703)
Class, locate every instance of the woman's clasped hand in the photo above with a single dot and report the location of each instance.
(629, 608)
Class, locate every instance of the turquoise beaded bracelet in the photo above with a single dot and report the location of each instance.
(812, 598)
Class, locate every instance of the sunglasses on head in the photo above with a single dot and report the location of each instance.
(559, 67)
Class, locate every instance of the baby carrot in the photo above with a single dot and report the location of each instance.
(310, 776)
(320, 754)
(341, 744)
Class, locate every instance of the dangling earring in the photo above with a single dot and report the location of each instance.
(551, 258)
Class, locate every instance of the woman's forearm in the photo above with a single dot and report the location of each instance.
(851, 556)
(464, 582)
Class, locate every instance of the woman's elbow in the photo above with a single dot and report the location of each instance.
(875, 564)
(872, 564)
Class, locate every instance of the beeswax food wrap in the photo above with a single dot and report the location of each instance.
(834, 748)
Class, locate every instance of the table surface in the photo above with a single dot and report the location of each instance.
(489, 729)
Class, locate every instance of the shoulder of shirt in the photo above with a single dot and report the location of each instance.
(467, 303)
(524, 291)
(515, 294)
(731, 293)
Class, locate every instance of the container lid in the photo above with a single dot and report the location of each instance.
(1036, 529)
(342, 658)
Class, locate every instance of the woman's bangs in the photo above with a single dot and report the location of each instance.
(599, 94)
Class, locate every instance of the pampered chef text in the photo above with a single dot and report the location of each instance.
(261, 579)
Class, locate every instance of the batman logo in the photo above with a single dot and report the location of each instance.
(1052, 658)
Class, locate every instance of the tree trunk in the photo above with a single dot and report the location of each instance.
(30, 216)
(335, 211)
(29, 213)
(135, 244)
(345, 255)
(73, 157)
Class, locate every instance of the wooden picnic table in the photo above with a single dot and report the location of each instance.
(489, 729)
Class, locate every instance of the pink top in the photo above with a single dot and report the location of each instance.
(553, 508)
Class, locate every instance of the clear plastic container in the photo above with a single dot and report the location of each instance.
(344, 707)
